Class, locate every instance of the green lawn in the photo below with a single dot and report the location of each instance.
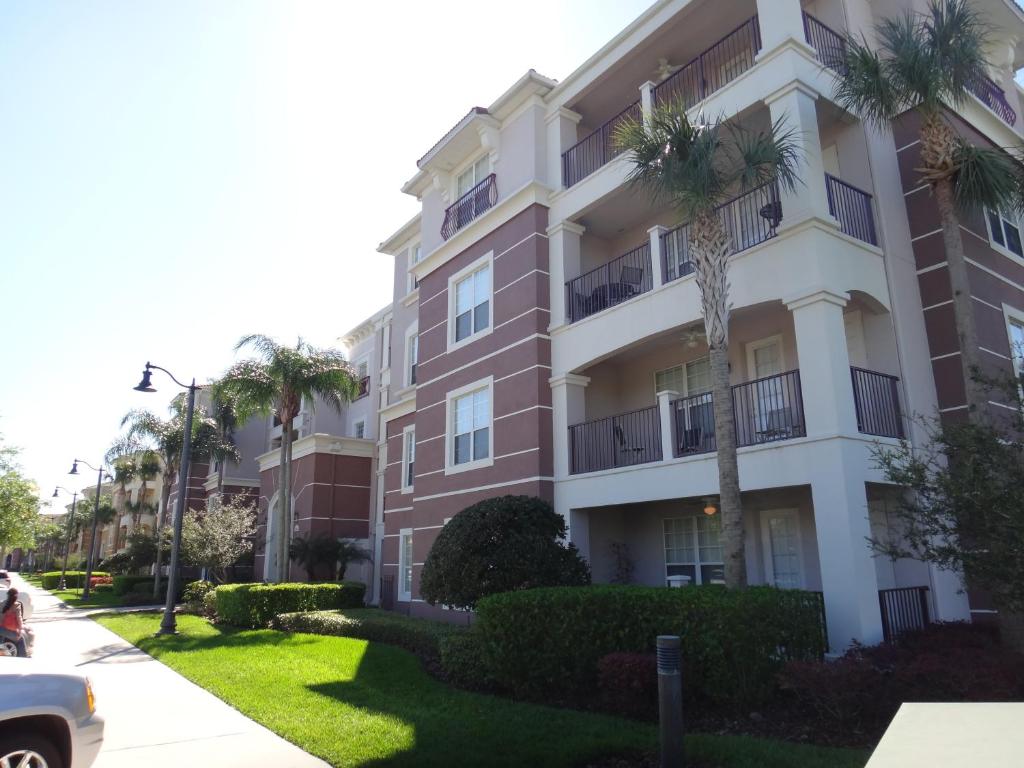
(355, 703)
(73, 597)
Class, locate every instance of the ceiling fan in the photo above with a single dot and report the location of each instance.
(693, 337)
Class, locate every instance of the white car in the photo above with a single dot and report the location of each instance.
(47, 717)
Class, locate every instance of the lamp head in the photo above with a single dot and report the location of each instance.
(145, 385)
(55, 493)
(709, 506)
(74, 468)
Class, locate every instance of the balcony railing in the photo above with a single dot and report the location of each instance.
(596, 149)
(620, 279)
(364, 387)
(876, 398)
(693, 424)
(713, 68)
(830, 45)
(768, 409)
(468, 207)
(615, 441)
(675, 253)
(993, 97)
(852, 207)
(903, 609)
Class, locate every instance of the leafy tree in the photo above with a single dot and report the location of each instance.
(499, 545)
(348, 552)
(48, 539)
(218, 536)
(19, 503)
(278, 382)
(330, 556)
(695, 169)
(964, 509)
(225, 419)
(927, 62)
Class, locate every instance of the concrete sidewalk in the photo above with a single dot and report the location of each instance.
(155, 717)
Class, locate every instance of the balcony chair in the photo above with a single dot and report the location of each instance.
(776, 424)
(631, 451)
(631, 278)
(690, 441)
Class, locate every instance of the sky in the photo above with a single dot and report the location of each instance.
(174, 175)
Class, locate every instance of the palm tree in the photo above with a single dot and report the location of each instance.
(278, 382)
(928, 62)
(695, 169)
(225, 417)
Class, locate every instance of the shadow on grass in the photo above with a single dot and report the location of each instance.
(220, 637)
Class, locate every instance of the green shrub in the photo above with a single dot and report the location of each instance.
(463, 661)
(104, 588)
(499, 545)
(255, 605)
(546, 643)
(210, 604)
(144, 598)
(195, 591)
(420, 636)
(73, 579)
(125, 584)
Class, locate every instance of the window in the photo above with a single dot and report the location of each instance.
(416, 253)
(363, 377)
(469, 438)
(691, 378)
(469, 302)
(408, 458)
(405, 565)
(360, 429)
(473, 175)
(414, 353)
(1004, 232)
(693, 548)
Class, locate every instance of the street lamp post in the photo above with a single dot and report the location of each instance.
(168, 625)
(95, 519)
(67, 541)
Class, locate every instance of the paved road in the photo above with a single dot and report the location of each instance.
(155, 717)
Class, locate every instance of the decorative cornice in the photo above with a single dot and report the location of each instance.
(399, 408)
(814, 296)
(319, 442)
(569, 379)
(567, 226)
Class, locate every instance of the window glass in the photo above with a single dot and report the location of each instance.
(693, 548)
(472, 427)
(995, 226)
(410, 458)
(360, 429)
(1005, 230)
(472, 303)
(698, 376)
(414, 353)
(670, 380)
(405, 564)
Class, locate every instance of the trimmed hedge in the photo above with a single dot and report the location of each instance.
(546, 643)
(124, 585)
(255, 605)
(420, 636)
(73, 579)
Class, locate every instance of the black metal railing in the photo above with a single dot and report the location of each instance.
(364, 387)
(903, 609)
(615, 441)
(620, 279)
(713, 68)
(675, 253)
(468, 207)
(597, 148)
(387, 592)
(693, 425)
(769, 409)
(993, 97)
(876, 398)
(752, 217)
(852, 207)
(829, 44)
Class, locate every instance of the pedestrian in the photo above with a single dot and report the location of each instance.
(11, 625)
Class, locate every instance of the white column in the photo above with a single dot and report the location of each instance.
(824, 363)
(657, 266)
(568, 406)
(665, 414)
(561, 135)
(841, 524)
(579, 531)
(780, 21)
(563, 265)
(793, 105)
(647, 101)
(949, 595)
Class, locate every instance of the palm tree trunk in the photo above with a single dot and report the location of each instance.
(165, 497)
(966, 328)
(283, 512)
(712, 249)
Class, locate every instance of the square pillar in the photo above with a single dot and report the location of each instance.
(825, 379)
(780, 21)
(563, 264)
(568, 406)
(647, 102)
(792, 107)
(657, 257)
(561, 125)
(848, 578)
(665, 414)
(579, 531)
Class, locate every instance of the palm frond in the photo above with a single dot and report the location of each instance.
(985, 178)
(266, 346)
(762, 157)
(862, 84)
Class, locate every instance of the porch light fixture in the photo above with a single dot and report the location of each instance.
(709, 506)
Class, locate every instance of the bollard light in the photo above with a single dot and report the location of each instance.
(670, 700)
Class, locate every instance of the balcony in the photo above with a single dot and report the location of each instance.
(709, 71)
(766, 410)
(829, 44)
(470, 206)
(364, 387)
(852, 207)
(617, 281)
(993, 97)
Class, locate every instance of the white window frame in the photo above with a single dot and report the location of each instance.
(1002, 248)
(408, 446)
(355, 429)
(1011, 317)
(686, 382)
(487, 260)
(766, 546)
(450, 467)
(411, 261)
(768, 341)
(413, 332)
(465, 167)
(404, 595)
(697, 563)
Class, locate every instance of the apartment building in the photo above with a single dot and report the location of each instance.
(546, 331)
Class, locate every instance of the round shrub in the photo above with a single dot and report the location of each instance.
(197, 590)
(256, 605)
(500, 545)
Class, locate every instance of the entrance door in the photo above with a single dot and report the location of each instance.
(771, 413)
(783, 562)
